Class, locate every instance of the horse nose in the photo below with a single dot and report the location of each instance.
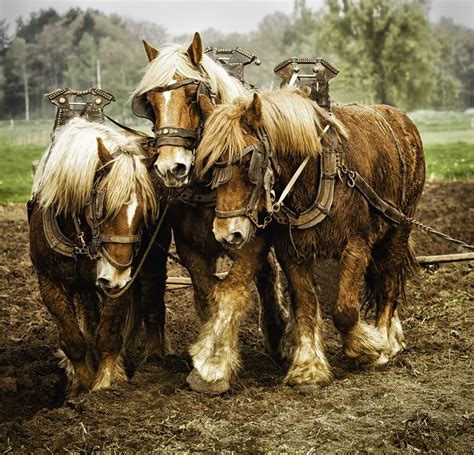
(104, 283)
(235, 238)
(179, 170)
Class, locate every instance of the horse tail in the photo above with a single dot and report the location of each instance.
(382, 263)
(408, 269)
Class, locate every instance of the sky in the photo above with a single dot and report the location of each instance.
(186, 16)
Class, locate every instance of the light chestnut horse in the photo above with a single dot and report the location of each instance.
(378, 142)
(169, 95)
(85, 160)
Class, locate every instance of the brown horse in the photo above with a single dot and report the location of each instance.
(277, 131)
(177, 78)
(92, 194)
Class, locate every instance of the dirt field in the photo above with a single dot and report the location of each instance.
(422, 402)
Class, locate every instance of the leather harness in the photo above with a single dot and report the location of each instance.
(170, 135)
(262, 165)
(261, 173)
(65, 246)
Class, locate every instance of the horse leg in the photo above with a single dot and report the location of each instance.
(303, 340)
(71, 340)
(117, 319)
(273, 315)
(215, 354)
(87, 314)
(387, 279)
(202, 270)
(153, 281)
(361, 341)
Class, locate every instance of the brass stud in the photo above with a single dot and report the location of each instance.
(165, 131)
(98, 101)
(62, 100)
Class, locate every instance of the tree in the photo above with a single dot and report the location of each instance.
(386, 46)
(17, 60)
(458, 59)
(81, 70)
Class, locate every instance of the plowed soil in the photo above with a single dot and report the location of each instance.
(420, 402)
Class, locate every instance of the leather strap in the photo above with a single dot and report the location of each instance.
(230, 213)
(321, 206)
(376, 201)
(114, 263)
(193, 197)
(120, 238)
(167, 88)
(57, 241)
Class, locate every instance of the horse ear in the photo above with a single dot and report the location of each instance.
(195, 50)
(306, 91)
(151, 52)
(206, 105)
(253, 113)
(104, 155)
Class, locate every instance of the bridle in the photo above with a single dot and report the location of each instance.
(182, 137)
(95, 218)
(261, 173)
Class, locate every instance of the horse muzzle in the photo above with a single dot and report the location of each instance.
(233, 233)
(174, 170)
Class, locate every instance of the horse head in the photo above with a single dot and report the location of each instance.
(242, 171)
(169, 96)
(118, 230)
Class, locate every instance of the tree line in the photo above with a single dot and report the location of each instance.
(387, 51)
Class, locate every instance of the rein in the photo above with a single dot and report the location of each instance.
(142, 260)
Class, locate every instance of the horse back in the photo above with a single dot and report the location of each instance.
(385, 147)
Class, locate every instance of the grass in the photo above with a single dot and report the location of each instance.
(448, 138)
(16, 174)
(450, 161)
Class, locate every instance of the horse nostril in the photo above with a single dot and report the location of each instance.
(104, 283)
(236, 238)
(179, 170)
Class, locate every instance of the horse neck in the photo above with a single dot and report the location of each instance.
(305, 188)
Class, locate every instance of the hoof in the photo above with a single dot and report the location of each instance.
(308, 389)
(198, 384)
(366, 362)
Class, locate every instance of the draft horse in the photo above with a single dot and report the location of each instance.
(169, 95)
(92, 194)
(260, 141)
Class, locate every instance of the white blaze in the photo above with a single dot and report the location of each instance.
(132, 209)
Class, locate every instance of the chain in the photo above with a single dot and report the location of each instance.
(351, 180)
(444, 236)
(351, 175)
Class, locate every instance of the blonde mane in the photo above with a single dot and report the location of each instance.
(173, 59)
(294, 125)
(65, 176)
